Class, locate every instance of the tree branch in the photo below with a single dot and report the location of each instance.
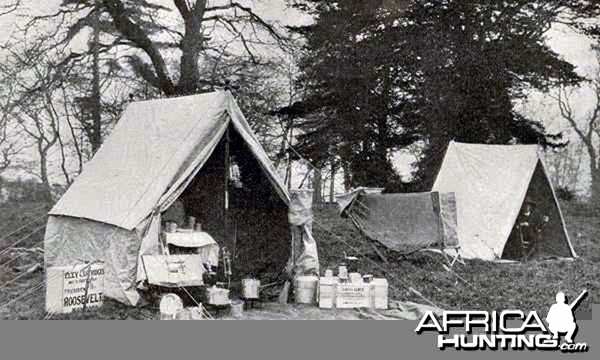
(136, 35)
(253, 17)
(7, 9)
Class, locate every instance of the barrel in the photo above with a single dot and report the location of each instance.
(305, 289)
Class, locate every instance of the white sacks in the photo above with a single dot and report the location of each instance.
(304, 259)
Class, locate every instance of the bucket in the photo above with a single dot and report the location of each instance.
(250, 288)
(217, 296)
(305, 289)
(170, 306)
(237, 308)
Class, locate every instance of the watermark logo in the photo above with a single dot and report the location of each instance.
(456, 329)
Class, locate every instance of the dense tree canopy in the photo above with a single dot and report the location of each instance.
(382, 77)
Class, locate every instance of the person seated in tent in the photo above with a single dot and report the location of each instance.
(530, 223)
(175, 213)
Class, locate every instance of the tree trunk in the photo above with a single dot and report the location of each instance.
(288, 169)
(191, 46)
(96, 138)
(317, 187)
(44, 172)
(332, 182)
(595, 188)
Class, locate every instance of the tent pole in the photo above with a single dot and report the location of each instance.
(226, 187)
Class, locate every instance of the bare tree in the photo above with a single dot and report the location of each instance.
(587, 128)
(38, 106)
(44, 134)
(565, 165)
(140, 25)
(9, 148)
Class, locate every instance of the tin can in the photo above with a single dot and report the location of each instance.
(343, 272)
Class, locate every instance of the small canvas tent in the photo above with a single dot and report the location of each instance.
(402, 222)
(161, 151)
(491, 183)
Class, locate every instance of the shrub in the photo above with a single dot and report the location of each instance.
(564, 193)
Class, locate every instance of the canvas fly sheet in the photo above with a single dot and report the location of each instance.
(403, 222)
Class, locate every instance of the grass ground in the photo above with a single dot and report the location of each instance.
(473, 285)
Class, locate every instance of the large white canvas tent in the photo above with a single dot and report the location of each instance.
(490, 183)
(160, 151)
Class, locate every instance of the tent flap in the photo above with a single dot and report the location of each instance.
(69, 241)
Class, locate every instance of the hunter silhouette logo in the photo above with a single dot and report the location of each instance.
(497, 329)
(560, 317)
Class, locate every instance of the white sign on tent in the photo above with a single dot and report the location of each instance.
(69, 288)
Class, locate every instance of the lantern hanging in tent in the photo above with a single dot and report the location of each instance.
(234, 173)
